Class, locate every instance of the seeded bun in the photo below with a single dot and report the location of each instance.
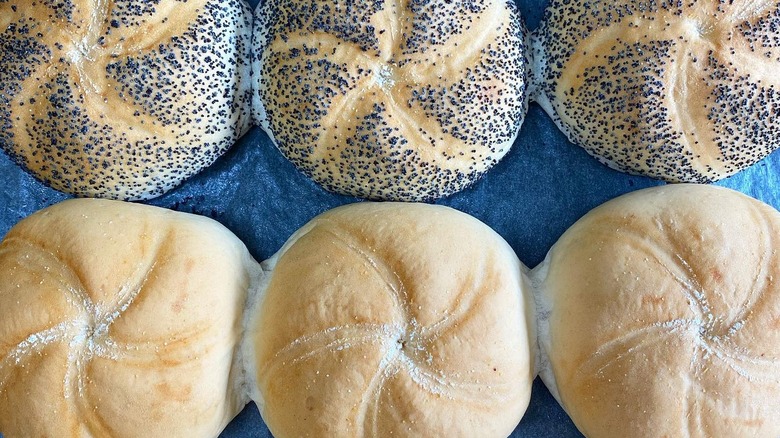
(120, 320)
(390, 100)
(394, 320)
(661, 316)
(126, 99)
(683, 92)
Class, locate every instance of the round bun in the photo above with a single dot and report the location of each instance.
(120, 319)
(387, 100)
(394, 320)
(661, 316)
(122, 100)
(683, 92)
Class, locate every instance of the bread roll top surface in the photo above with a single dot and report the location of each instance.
(663, 316)
(386, 100)
(683, 92)
(119, 320)
(394, 319)
(122, 100)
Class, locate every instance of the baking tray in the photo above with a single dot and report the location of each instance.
(541, 187)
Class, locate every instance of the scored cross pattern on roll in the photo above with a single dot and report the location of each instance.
(123, 99)
(392, 100)
(679, 91)
(394, 320)
(120, 320)
(659, 315)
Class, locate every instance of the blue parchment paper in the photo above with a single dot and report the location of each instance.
(542, 186)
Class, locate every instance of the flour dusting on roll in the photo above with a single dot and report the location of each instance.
(679, 91)
(125, 99)
(393, 100)
(120, 320)
(393, 320)
(661, 316)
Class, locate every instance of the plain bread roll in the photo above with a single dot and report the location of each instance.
(120, 320)
(661, 316)
(394, 320)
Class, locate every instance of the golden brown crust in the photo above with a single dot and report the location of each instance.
(119, 318)
(394, 320)
(124, 99)
(663, 316)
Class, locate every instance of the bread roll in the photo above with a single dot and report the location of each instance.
(120, 320)
(661, 316)
(679, 91)
(393, 320)
(390, 100)
(122, 99)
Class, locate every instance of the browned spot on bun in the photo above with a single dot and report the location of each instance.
(178, 394)
(653, 300)
(716, 274)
